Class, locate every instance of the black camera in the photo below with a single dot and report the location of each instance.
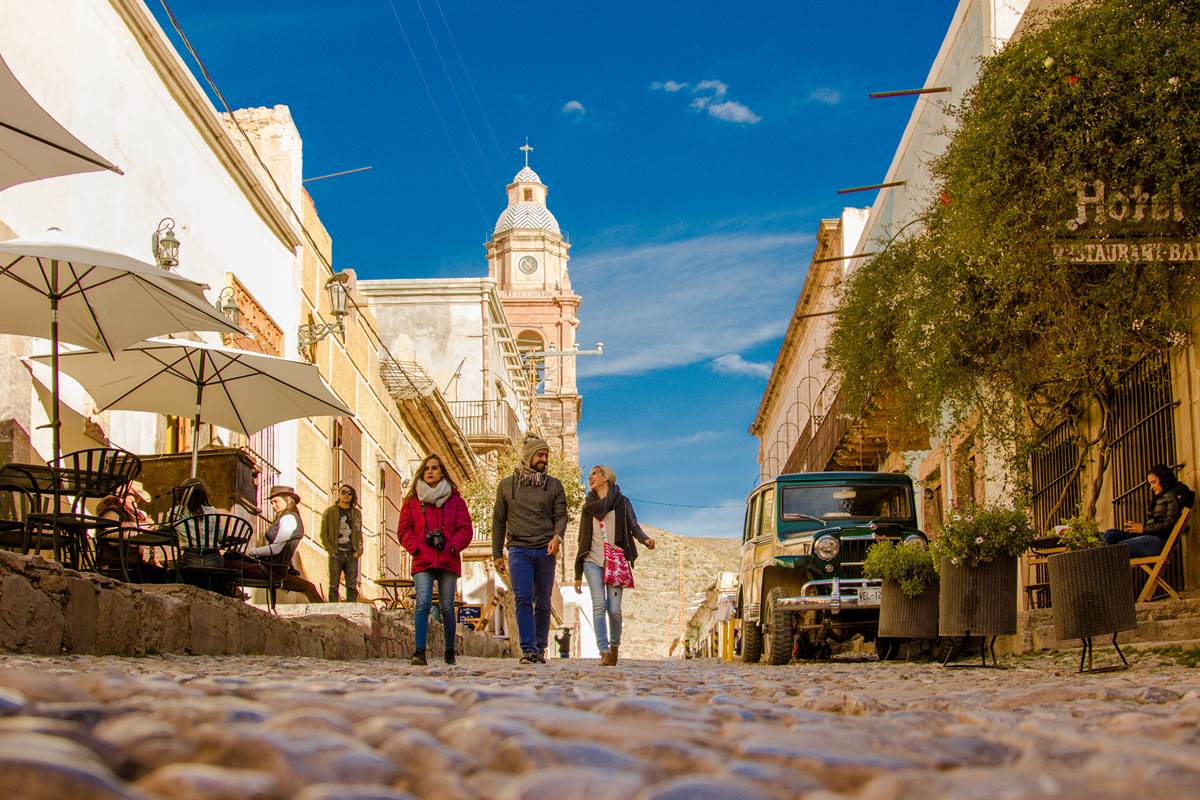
(435, 538)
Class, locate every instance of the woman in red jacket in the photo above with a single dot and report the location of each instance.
(435, 527)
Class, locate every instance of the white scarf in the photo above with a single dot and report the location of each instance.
(433, 495)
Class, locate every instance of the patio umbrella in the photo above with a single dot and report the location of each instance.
(32, 143)
(236, 389)
(96, 299)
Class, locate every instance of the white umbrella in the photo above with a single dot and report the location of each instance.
(236, 389)
(95, 299)
(32, 143)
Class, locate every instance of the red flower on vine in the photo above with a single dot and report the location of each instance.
(1072, 80)
(944, 198)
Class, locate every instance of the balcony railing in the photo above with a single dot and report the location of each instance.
(490, 418)
(828, 436)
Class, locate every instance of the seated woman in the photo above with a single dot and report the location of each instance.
(108, 546)
(1167, 500)
(196, 547)
(283, 537)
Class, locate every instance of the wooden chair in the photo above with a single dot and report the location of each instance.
(1154, 565)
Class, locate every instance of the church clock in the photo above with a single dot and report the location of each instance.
(528, 265)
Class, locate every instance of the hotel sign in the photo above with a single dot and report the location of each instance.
(1109, 224)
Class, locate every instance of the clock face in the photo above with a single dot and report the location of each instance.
(528, 265)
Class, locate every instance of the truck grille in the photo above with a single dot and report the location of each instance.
(854, 552)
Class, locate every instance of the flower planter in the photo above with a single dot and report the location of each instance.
(978, 601)
(904, 617)
(1093, 592)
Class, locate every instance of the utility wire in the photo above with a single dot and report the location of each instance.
(679, 505)
(437, 111)
(457, 99)
(487, 122)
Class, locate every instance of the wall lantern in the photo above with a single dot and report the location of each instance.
(227, 304)
(339, 300)
(164, 245)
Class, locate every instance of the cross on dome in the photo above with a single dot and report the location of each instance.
(526, 149)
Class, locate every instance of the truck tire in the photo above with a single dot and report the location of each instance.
(751, 642)
(777, 629)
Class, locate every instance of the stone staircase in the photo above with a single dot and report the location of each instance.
(1159, 623)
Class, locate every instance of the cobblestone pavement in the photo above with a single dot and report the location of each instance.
(264, 728)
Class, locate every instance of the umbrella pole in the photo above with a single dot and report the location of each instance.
(196, 419)
(54, 415)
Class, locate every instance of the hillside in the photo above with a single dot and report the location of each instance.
(651, 610)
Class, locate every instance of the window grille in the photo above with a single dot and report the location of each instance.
(1053, 474)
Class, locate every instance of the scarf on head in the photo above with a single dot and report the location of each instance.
(598, 506)
(433, 495)
(527, 476)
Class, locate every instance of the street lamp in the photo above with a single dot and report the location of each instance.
(164, 245)
(339, 297)
(227, 304)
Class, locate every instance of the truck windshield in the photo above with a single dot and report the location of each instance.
(847, 502)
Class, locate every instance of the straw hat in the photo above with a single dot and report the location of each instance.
(284, 491)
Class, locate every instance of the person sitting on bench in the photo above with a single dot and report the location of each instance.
(1168, 499)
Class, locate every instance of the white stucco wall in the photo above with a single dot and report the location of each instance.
(79, 59)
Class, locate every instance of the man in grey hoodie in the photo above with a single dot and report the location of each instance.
(531, 516)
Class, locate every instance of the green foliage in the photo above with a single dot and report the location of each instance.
(1080, 533)
(974, 312)
(480, 493)
(910, 564)
(979, 534)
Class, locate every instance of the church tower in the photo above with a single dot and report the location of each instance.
(527, 258)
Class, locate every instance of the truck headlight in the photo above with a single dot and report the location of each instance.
(913, 538)
(827, 548)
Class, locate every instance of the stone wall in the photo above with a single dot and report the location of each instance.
(1161, 621)
(49, 610)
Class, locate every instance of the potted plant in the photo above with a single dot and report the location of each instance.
(1091, 587)
(977, 554)
(909, 607)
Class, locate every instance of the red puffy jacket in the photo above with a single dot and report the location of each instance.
(455, 521)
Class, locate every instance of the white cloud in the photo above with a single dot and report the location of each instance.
(663, 305)
(734, 364)
(709, 96)
(733, 112)
(668, 86)
(830, 97)
(573, 107)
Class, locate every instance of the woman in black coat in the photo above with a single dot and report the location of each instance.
(1167, 500)
(607, 519)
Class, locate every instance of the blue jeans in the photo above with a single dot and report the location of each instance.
(423, 585)
(531, 570)
(1140, 545)
(605, 600)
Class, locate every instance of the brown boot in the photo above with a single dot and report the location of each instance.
(612, 655)
(606, 658)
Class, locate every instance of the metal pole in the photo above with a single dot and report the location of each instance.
(196, 419)
(54, 413)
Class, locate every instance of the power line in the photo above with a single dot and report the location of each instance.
(454, 91)
(487, 122)
(679, 505)
(437, 111)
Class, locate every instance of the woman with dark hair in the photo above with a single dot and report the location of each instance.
(1168, 498)
(607, 530)
(341, 536)
(108, 545)
(435, 526)
(196, 545)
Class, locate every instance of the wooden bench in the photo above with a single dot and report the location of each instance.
(1153, 565)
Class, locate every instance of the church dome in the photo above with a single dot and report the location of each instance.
(527, 216)
(526, 175)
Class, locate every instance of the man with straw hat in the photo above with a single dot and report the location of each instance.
(531, 516)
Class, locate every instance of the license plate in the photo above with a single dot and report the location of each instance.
(870, 595)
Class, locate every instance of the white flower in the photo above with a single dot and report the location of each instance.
(1012, 528)
(1173, 81)
(1049, 62)
(978, 540)
(1136, 324)
(954, 561)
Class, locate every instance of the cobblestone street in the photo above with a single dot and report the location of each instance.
(209, 727)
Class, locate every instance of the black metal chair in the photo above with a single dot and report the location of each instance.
(274, 571)
(165, 512)
(202, 540)
(16, 504)
(81, 476)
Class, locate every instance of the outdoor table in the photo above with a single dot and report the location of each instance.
(400, 592)
(1037, 586)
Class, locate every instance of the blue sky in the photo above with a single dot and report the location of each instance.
(690, 149)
